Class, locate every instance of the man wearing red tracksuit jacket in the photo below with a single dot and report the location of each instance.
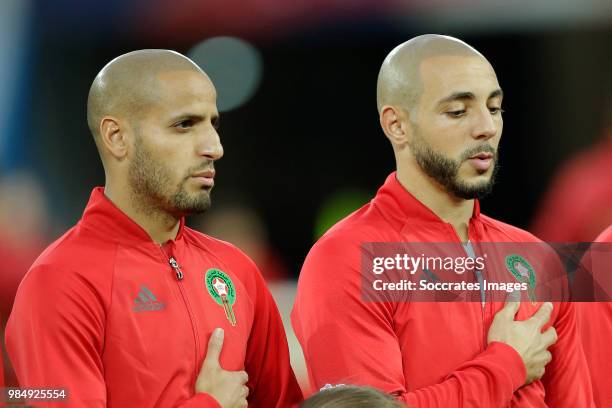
(440, 106)
(595, 319)
(130, 308)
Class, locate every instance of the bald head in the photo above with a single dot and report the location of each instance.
(399, 79)
(125, 87)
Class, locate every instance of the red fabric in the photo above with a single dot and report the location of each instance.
(1, 363)
(75, 323)
(17, 258)
(428, 354)
(578, 205)
(596, 329)
(199, 400)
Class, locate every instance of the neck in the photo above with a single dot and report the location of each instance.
(453, 210)
(160, 225)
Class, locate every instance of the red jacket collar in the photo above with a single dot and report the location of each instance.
(400, 205)
(102, 215)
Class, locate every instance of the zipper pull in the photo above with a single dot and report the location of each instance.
(176, 267)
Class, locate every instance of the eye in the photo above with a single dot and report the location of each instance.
(495, 110)
(215, 122)
(456, 114)
(184, 124)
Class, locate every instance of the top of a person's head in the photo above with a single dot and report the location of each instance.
(399, 78)
(350, 397)
(126, 85)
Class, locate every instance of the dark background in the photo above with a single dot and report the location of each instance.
(311, 129)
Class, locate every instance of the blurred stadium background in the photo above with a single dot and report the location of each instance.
(296, 83)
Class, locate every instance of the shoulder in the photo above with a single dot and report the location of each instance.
(341, 247)
(228, 255)
(364, 225)
(227, 251)
(78, 248)
(77, 261)
(337, 254)
(504, 232)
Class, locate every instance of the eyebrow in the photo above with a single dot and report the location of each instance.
(193, 116)
(459, 96)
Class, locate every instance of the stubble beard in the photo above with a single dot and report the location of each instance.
(445, 170)
(151, 182)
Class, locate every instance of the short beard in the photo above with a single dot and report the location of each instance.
(150, 183)
(445, 170)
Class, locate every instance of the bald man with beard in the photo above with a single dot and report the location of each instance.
(130, 308)
(439, 104)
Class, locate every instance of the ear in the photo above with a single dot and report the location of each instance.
(113, 137)
(395, 124)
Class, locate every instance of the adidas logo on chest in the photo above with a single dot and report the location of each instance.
(146, 301)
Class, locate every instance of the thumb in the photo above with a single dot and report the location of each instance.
(215, 344)
(542, 316)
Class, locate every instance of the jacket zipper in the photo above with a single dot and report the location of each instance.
(179, 278)
(483, 296)
(176, 267)
(483, 316)
(484, 333)
(482, 301)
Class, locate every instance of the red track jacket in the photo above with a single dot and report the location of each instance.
(596, 329)
(119, 321)
(428, 354)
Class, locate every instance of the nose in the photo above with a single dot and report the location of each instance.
(210, 145)
(485, 126)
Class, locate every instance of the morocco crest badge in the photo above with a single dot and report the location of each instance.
(523, 272)
(221, 289)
